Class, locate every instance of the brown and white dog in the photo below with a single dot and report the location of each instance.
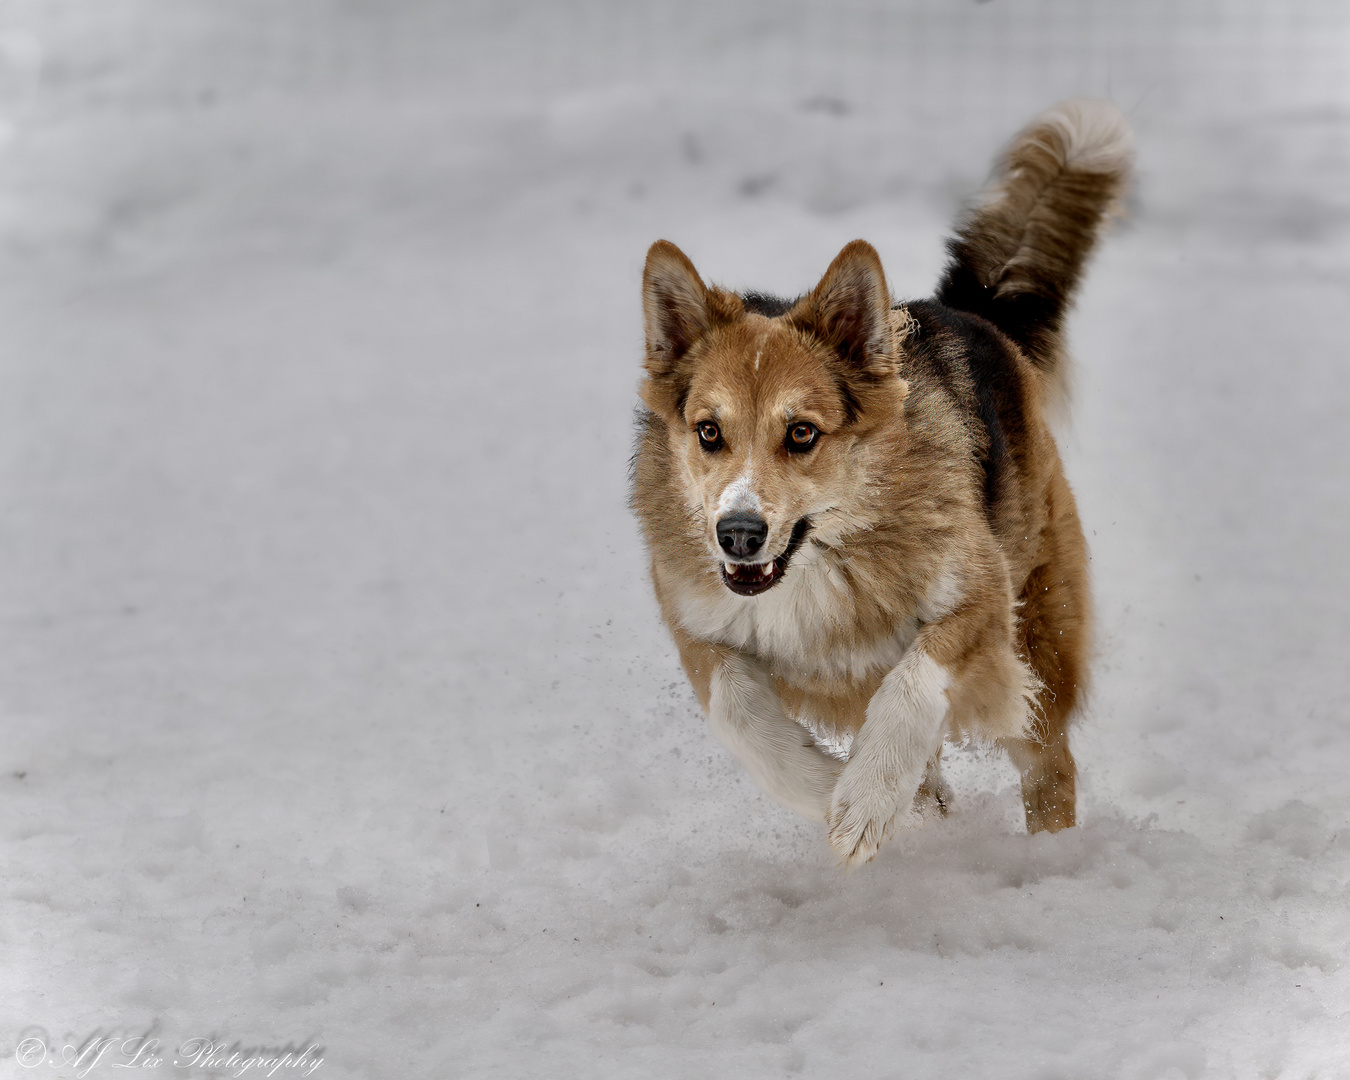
(857, 517)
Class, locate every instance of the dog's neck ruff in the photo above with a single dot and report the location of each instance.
(800, 626)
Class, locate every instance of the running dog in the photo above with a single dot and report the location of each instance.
(857, 518)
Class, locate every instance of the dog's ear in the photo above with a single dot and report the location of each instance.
(850, 311)
(677, 310)
(675, 307)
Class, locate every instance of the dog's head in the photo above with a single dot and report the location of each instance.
(765, 414)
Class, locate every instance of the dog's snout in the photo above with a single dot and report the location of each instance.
(742, 535)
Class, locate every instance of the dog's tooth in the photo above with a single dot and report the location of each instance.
(731, 567)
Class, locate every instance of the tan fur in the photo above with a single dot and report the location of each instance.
(1020, 253)
(915, 608)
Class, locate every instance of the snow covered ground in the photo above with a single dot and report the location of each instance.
(336, 707)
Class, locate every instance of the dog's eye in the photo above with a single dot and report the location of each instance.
(801, 437)
(709, 435)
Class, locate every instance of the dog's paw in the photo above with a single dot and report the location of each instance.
(863, 814)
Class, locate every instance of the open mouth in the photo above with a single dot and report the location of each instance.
(751, 579)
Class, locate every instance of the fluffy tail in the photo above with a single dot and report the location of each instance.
(1017, 258)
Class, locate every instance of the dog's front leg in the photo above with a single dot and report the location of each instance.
(781, 755)
(905, 722)
(960, 673)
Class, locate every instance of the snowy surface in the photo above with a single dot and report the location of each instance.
(336, 706)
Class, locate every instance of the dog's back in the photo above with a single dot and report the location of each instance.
(1016, 263)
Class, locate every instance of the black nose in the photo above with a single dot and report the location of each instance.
(742, 534)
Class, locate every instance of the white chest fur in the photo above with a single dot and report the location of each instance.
(802, 626)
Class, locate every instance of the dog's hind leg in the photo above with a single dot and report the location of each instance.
(1049, 780)
(1055, 631)
(934, 797)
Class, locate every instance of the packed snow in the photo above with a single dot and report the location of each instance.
(338, 714)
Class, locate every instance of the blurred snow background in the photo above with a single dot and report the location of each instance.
(336, 707)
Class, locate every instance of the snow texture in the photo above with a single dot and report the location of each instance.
(336, 705)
